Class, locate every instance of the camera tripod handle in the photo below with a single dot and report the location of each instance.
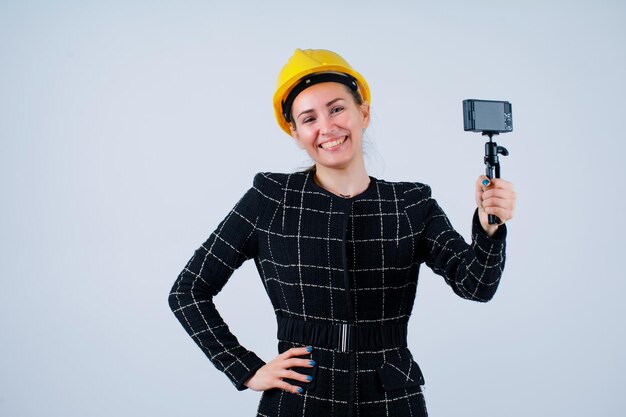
(492, 166)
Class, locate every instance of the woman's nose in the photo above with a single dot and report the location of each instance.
(327, 126)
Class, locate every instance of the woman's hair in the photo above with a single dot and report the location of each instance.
(358, 100)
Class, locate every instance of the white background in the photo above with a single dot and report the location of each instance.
(129, 129)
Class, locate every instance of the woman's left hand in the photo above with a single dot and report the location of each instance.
(497, 198)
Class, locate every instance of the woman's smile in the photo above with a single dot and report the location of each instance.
(334, 144)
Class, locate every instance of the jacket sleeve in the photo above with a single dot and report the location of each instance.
(191, 297)
(472, 270)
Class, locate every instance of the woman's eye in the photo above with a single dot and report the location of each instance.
(308, 120)
(336, 109)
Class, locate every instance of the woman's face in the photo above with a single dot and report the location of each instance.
(329, 124)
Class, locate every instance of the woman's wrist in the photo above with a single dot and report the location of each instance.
(489, 229)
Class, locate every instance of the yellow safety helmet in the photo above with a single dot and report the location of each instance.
(308, 67)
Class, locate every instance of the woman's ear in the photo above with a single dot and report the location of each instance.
(365, 111)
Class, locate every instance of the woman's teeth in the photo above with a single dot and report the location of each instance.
(334, 143)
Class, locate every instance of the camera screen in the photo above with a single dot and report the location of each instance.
(490, 115)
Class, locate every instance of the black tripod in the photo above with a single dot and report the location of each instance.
(492, 164)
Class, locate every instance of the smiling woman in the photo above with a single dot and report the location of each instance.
(339, 254)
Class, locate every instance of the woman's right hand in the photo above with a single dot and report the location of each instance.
(272, 373)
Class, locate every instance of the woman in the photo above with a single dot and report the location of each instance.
(339, 253)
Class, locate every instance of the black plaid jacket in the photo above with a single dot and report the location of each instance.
(327, 259)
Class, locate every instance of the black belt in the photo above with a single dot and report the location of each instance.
(342, 337)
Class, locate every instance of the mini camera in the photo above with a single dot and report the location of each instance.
(487, 116)
(491, 118)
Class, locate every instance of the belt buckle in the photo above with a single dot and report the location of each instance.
(345, 335)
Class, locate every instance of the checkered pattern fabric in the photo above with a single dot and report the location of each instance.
(330, 259)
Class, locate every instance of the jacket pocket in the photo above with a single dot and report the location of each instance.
(400, 374)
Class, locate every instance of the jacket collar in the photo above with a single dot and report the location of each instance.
(311, 185)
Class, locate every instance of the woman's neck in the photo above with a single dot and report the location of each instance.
(343, 182)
